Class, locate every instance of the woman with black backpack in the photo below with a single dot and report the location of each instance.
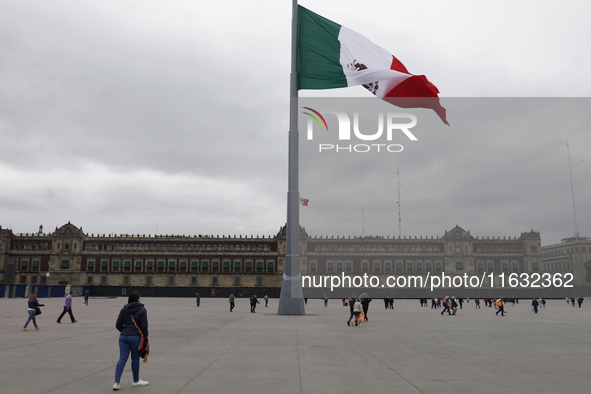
(133, 325)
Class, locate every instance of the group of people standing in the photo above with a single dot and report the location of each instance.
(389, 303)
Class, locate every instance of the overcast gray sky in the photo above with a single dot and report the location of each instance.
(172, 117)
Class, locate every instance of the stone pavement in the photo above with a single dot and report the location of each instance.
(210, 350)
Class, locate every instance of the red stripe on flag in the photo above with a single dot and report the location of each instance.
(398, 66)
(416, 92)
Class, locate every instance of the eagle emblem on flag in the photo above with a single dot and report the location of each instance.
(356, 66)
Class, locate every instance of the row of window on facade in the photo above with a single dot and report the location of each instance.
(173, 266)
(377, 248)
(156, 247)
(33, 279)
(409, 249)
(31, 246)
(557, 266)
(149, 280)
(413, 267)
(565, 252)
(183, 266)
(172, 280)
(499, 249)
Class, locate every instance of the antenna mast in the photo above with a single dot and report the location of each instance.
(362, 223)
(399, 217)
(572, 191)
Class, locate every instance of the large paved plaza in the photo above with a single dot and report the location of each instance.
(210, 350)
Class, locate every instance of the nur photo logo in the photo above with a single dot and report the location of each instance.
(389, 125)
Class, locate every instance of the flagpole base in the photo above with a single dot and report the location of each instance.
(291, 300)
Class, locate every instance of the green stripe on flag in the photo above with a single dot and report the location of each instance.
(319, 52)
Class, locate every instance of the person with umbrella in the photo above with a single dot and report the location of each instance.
(365, 300)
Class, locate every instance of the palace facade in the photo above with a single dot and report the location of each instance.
(569, 256)
(455, 253)
(68, 256)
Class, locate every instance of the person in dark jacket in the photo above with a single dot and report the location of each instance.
(352, 301)
(33, 306)
(365, 306)
(454, 306)
(253, 303)
(130, 337)
(446, 306)
(535, 305)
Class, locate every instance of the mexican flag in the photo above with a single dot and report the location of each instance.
(333, 56)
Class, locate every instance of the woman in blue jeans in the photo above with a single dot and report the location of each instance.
(130, 337)
(33, 306)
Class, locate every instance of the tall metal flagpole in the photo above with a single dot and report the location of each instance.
(291, 301)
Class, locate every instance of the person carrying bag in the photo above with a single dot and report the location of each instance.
(33, 310)
(132, 323)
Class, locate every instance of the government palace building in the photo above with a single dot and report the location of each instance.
(211, 263)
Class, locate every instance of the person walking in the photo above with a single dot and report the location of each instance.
(198, 297)
(446, 306)
(454, 305)
(131, 314)
(231, 299)
(477, 302)
(357, 308)
(33, 308)
(68, 308)
(266, 300)
(352, 301)
(86, 296)
(365, 307)
(535, 305)
(325, 301)
(253, 303)
(501, 307)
